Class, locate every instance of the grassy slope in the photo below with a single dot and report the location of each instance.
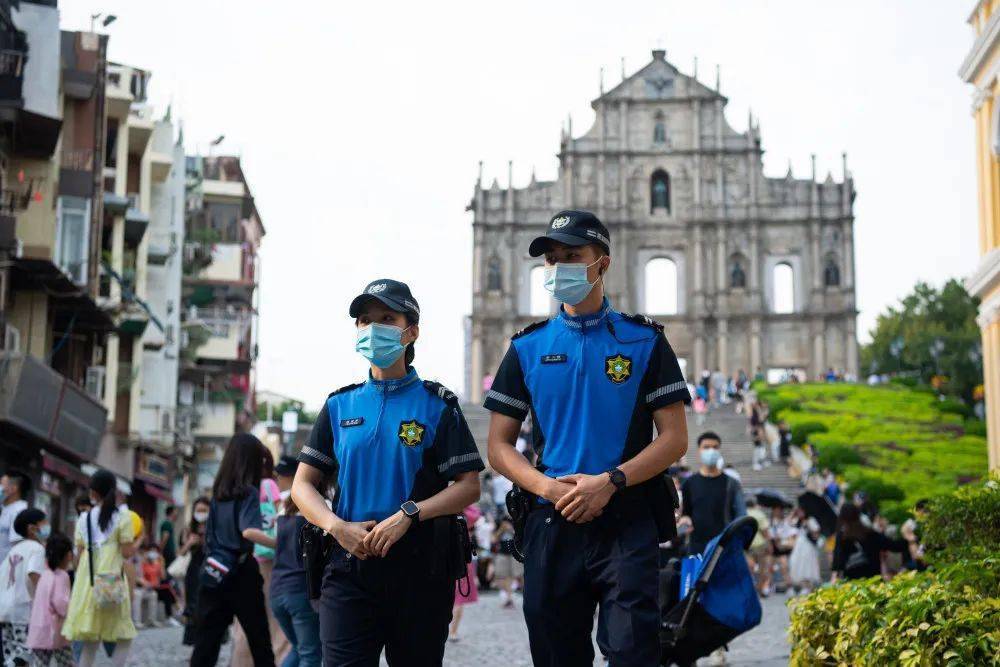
(902, 444)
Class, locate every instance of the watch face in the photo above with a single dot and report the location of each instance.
(410, 508)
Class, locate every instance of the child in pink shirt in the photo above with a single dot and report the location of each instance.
(50, 604)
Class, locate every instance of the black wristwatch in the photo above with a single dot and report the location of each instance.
(411, 510)
(617, 478)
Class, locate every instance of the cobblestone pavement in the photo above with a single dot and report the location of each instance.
(493, 636)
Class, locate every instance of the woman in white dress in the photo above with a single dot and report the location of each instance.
(803, 562)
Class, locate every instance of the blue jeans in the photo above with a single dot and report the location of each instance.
(300, 623)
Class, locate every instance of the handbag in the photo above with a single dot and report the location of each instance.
(220, 563)
(179, 567)
(108, 588)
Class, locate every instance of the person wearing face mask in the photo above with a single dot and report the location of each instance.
(402, 463)
(595, 382)
(711, 498)
(19, 575)
(193, 541)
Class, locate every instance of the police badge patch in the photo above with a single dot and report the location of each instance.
(618, 368)
(411, 433)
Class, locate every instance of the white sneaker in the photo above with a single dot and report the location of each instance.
(718, 657)
(757, 467)
(174, 622)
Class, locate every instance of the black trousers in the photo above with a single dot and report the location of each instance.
(571, 569)
(242, 596)
(397, 603)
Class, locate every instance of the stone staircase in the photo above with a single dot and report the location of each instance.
(737, 450)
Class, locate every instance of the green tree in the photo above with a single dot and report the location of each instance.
(930, 333)
(305, 417)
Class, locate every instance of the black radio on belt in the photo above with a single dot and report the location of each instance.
(519, 504)
(316, 545)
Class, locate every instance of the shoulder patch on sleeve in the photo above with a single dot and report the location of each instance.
(531, 327)
(441, 392)
(345, 388)
(644, 320)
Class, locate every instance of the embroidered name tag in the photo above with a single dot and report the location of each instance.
(353, 421)
(553, 358)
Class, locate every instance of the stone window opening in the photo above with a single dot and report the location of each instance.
(831, 272)
(783, 288)
(494, 279)
(659, 191)
(660, 294)
(737, 272)
(659, 129)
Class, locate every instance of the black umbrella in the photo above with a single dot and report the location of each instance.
(772, 498)
(820, 508)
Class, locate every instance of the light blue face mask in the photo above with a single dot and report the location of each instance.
(711, 457)
(380, 344)
(568, 282)
(44, 531)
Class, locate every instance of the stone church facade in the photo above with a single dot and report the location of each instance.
(681, 191)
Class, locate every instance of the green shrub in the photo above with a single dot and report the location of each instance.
(878, 489)
(780, 407)
(837, 457)
(964, 524)
(803, 430)
(975, 427)
(946, 617)
(955, 407)
(898, 434)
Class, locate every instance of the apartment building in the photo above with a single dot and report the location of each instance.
(143, 197)
(53, 329)
(219, 317)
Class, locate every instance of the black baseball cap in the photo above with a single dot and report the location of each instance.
(573, 228)
(392, 293)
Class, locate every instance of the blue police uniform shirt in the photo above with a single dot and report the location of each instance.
(388, 441)
(591, 384)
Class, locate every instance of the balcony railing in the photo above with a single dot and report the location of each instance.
(49, 407)
(11, 76)
(78, 159)
(11, 63)
(17, 198)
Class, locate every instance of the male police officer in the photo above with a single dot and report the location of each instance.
(594, 381)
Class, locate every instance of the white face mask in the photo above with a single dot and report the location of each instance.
(285, 494)
(201, 517)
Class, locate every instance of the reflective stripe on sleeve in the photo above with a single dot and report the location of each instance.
(663, 391)
(509, 400)
(318, 455)
(455, 460)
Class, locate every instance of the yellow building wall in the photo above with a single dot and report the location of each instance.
(36, 225)
(29, 314)
(988, 178)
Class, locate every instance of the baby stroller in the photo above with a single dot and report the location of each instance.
(720, 602)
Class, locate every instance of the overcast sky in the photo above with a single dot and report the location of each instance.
(360, 126)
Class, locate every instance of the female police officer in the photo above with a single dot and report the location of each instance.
(391, 445)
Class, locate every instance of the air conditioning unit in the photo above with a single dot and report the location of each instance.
(185, 393)
(12, 339)
(94, 384)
